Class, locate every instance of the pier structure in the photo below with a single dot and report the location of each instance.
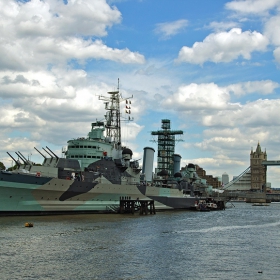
(166, 139)
(131, 206)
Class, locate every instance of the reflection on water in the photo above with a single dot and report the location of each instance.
(239, 243)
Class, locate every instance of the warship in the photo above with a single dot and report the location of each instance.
(94, 175)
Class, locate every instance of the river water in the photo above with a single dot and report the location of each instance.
(242, 242)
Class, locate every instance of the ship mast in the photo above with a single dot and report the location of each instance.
(113, 115)
(166, 146)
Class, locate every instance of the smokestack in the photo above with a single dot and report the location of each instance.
(148, 162)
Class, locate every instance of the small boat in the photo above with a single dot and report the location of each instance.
(211, 205)
(202, 206)
(28, 224)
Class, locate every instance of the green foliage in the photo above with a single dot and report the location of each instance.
(12, 168)
(2, 166)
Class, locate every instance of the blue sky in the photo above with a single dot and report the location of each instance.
(211, 67)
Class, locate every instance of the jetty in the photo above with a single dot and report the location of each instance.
(144, 207)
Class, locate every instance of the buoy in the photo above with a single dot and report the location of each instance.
(28, 225)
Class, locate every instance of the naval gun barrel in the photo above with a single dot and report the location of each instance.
(26, 160)
(40, 153)
(47, 152)
(16, 161)
(52, 152)
(21, 158)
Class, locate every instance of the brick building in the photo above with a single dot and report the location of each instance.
(212, 181)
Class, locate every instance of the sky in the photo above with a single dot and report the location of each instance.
(210, 67)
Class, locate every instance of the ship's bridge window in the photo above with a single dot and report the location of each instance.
(98, 157)
(94, 147)
(76, 156)
(81, 146)
(88, 156)
(93, 156)
(72, 156)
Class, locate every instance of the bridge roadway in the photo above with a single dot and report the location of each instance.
(270, 197)
(271, 162)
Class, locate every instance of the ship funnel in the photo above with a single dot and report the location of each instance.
(176, 163)
(148, 162)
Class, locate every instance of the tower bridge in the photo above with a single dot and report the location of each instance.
(253, 178)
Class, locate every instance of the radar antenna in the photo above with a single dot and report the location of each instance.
(112, 117)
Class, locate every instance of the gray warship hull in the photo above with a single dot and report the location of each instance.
(29, 194)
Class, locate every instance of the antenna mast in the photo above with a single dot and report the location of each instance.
(112, 117)
(166, 146)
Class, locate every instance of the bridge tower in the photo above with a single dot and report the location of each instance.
(258, 171)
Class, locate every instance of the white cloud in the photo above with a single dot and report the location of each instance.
(262, 87)
(168, 29)
(54, 18)
(209, 105)
(33, 84)
(272, 30)
(252, 6)
(222, 26)
(40, 33)
(276, 54)
(224, 47)
(260, 113)
(198, 97)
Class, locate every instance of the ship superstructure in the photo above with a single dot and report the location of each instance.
(97, 145)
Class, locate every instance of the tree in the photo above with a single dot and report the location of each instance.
(2, 166)
(12, 168)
